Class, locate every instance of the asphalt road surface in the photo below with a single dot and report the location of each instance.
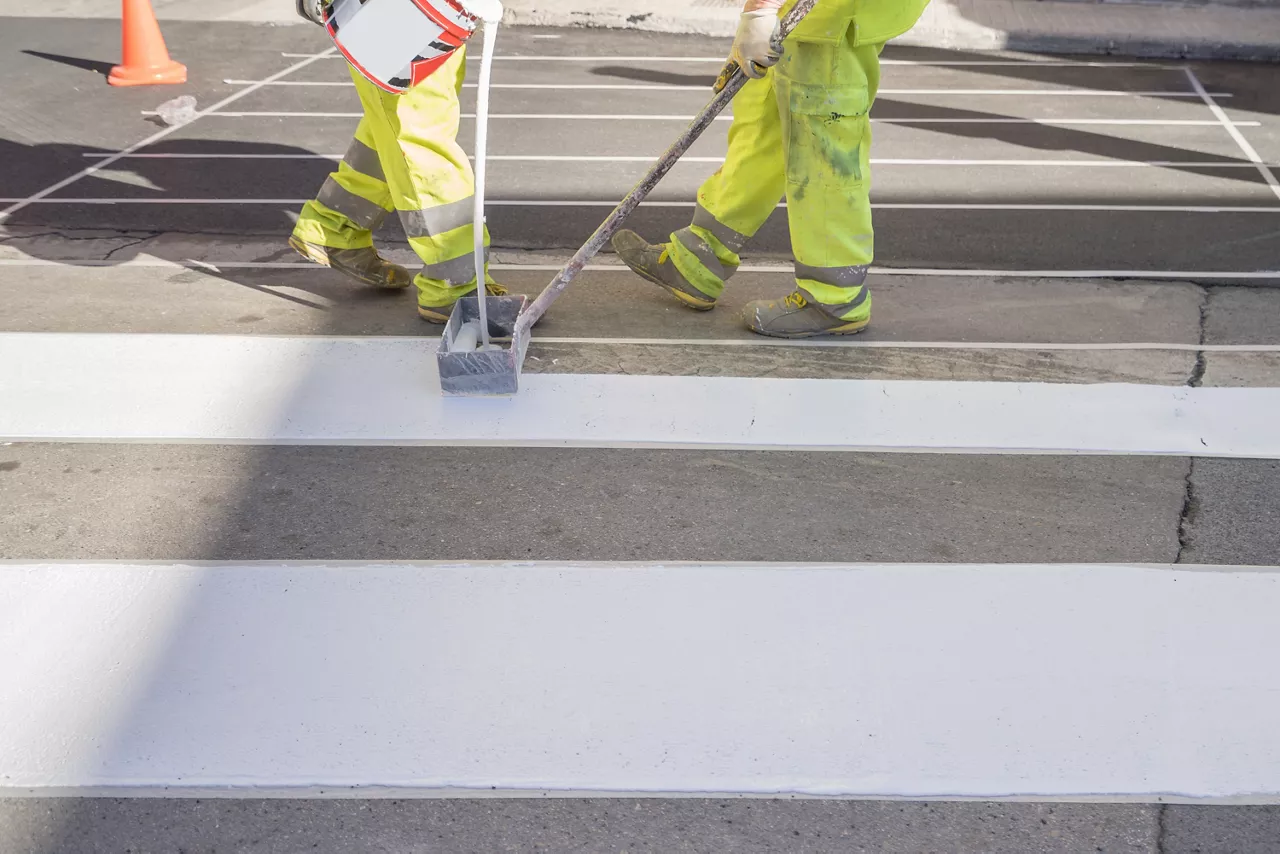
(1039, 221)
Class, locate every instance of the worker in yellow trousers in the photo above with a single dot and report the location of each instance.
(800, 128)
(405, 157)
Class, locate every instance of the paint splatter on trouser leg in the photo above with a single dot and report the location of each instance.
(739, 198)
(824, 95)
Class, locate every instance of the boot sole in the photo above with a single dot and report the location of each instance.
(848, 329)
(323, 260)
(685, 299)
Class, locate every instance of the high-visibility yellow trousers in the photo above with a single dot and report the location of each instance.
(802, 131)
(405, 157)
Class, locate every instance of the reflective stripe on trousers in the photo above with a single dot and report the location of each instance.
(828, 285)
(430, 222)
(802, 131)
(364, 213)
(406, 156)
(455, 271)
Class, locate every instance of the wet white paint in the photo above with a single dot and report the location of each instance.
(882, 680)
(258, 389)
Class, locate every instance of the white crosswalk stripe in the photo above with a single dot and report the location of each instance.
(1020, 548)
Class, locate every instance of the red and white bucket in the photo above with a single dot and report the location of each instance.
(397, 44)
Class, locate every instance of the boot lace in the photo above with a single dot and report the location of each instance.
(795, 300)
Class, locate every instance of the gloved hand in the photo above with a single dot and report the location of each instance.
(753, 45)
(312, 10)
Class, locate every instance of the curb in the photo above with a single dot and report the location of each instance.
(1149, 30)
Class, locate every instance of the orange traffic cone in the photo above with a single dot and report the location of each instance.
(146, 59)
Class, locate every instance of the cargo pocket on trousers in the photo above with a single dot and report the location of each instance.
(826, 130)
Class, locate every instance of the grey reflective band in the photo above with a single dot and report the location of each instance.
(430, 222)
(456, 271)
(841, 277)
(359, 210)
(732, 240)
(838, 310)
(706, 257)
(364, 160)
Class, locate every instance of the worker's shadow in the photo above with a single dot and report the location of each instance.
(1113, 143)
(202, 221)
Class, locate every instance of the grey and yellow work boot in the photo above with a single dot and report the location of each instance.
(440, 313)
(793, 316)
(654, 263)
(364, 265)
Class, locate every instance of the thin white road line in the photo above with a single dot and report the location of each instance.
(154, 138)
(1056, 122)
(1221, 115)
(1015, 63)
(302, 114)
(298, 114)
(865, 344)
(599, 203)
(626, 59)
(627, 87)
(1050, 93)
(216, 265)
(606, 158)
(650, 87)
(974, 63)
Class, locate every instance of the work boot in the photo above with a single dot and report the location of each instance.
(654, 263)
(793, 316)
(364, 265)
(440, 313)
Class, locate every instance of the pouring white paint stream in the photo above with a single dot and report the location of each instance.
(490, 11)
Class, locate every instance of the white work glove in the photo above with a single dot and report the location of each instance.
(753, 45)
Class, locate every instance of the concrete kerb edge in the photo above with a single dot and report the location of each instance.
(943, 26)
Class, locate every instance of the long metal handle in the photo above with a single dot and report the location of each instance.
(735, 81)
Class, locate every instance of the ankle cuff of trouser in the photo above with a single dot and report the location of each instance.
(324, 226)
(837, 302)
(700, 259)
(448, 280)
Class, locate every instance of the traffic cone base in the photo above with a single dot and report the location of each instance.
(169, 72)
(146, 59)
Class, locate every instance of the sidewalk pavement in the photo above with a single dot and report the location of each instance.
(1162, 29)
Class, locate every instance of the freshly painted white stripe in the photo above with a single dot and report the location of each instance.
(639, 158)
(19, 204)
(889, 680)
(1231, 128)
(308, 390)
(296, 114)
(215, 265)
